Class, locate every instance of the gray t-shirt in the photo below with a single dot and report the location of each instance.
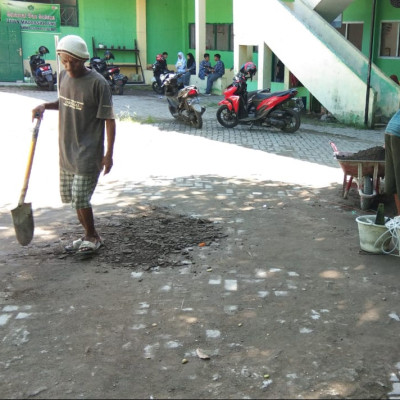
(85, 104)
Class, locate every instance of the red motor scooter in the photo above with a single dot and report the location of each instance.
(258, 107)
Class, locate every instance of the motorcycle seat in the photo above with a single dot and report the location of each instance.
(36, 60)
(262, 96)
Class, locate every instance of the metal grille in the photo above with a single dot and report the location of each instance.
(395, 3)
(69, 16)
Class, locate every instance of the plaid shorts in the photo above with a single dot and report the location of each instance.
(77, 189)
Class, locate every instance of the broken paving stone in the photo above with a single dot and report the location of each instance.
(201, 354)
(37, 391)
(266, 383)
(394, 316)
(127, 251)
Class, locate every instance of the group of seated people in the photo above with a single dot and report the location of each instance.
(187, 67)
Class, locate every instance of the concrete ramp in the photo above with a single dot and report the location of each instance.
(329, 66)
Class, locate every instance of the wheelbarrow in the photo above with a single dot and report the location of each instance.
(366, 174)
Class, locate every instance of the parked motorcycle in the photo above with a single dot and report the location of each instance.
(155, 86)
(159, 71)
(112, 73)
(41, 71)
(259, 107)
(183, 101)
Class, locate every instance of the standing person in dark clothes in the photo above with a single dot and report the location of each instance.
(392, 159)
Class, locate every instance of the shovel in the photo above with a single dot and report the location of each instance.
(22, 215)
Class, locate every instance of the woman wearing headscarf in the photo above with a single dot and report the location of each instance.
(190, 69)
(180, 64)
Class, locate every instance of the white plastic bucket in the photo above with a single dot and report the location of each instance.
(369, 234)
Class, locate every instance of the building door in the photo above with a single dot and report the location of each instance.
(11, 65)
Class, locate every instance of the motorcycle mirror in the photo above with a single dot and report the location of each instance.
(108, 55)
(43, 50)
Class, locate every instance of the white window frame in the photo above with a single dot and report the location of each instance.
(398, 38)
(347, 23)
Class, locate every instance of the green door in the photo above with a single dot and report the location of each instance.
(11, 65)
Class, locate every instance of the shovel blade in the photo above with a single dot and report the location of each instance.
(23, 223)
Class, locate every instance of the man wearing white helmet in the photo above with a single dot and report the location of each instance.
(86, 116)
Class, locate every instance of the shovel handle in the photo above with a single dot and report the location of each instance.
(35, 134)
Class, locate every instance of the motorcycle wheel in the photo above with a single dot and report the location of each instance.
(157, 89)
(196, 120)
(227, 117)
(119, 87)
(173, 112)
(292, 121)
(50, 86)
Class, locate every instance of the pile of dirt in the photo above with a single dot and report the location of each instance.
(147, 237)
(151, 237)
(376, 153)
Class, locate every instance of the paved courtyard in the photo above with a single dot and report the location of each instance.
(284, 306)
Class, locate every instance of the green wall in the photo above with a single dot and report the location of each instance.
(114, 23)
(168, 22)
(361, 10)
(99, 18)
(110, 23)
(168, 26)
(217, 12)
(386, 12)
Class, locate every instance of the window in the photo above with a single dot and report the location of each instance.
(353, 32)
(389, 39)
(68, 10)
(218, 37)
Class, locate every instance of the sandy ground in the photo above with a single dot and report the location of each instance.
(212, 249)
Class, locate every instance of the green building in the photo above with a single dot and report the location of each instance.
(340, 54)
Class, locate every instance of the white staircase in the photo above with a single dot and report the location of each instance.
(328, 9)
(330, 67)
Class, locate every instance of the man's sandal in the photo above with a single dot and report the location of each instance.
(74, 246)
(87, 248)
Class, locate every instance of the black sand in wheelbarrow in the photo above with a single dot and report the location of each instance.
(365, 168)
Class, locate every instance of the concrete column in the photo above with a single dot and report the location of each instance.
(264, 67)
(141, 31)
(286, 79)
(243, 53)
(200, 22)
